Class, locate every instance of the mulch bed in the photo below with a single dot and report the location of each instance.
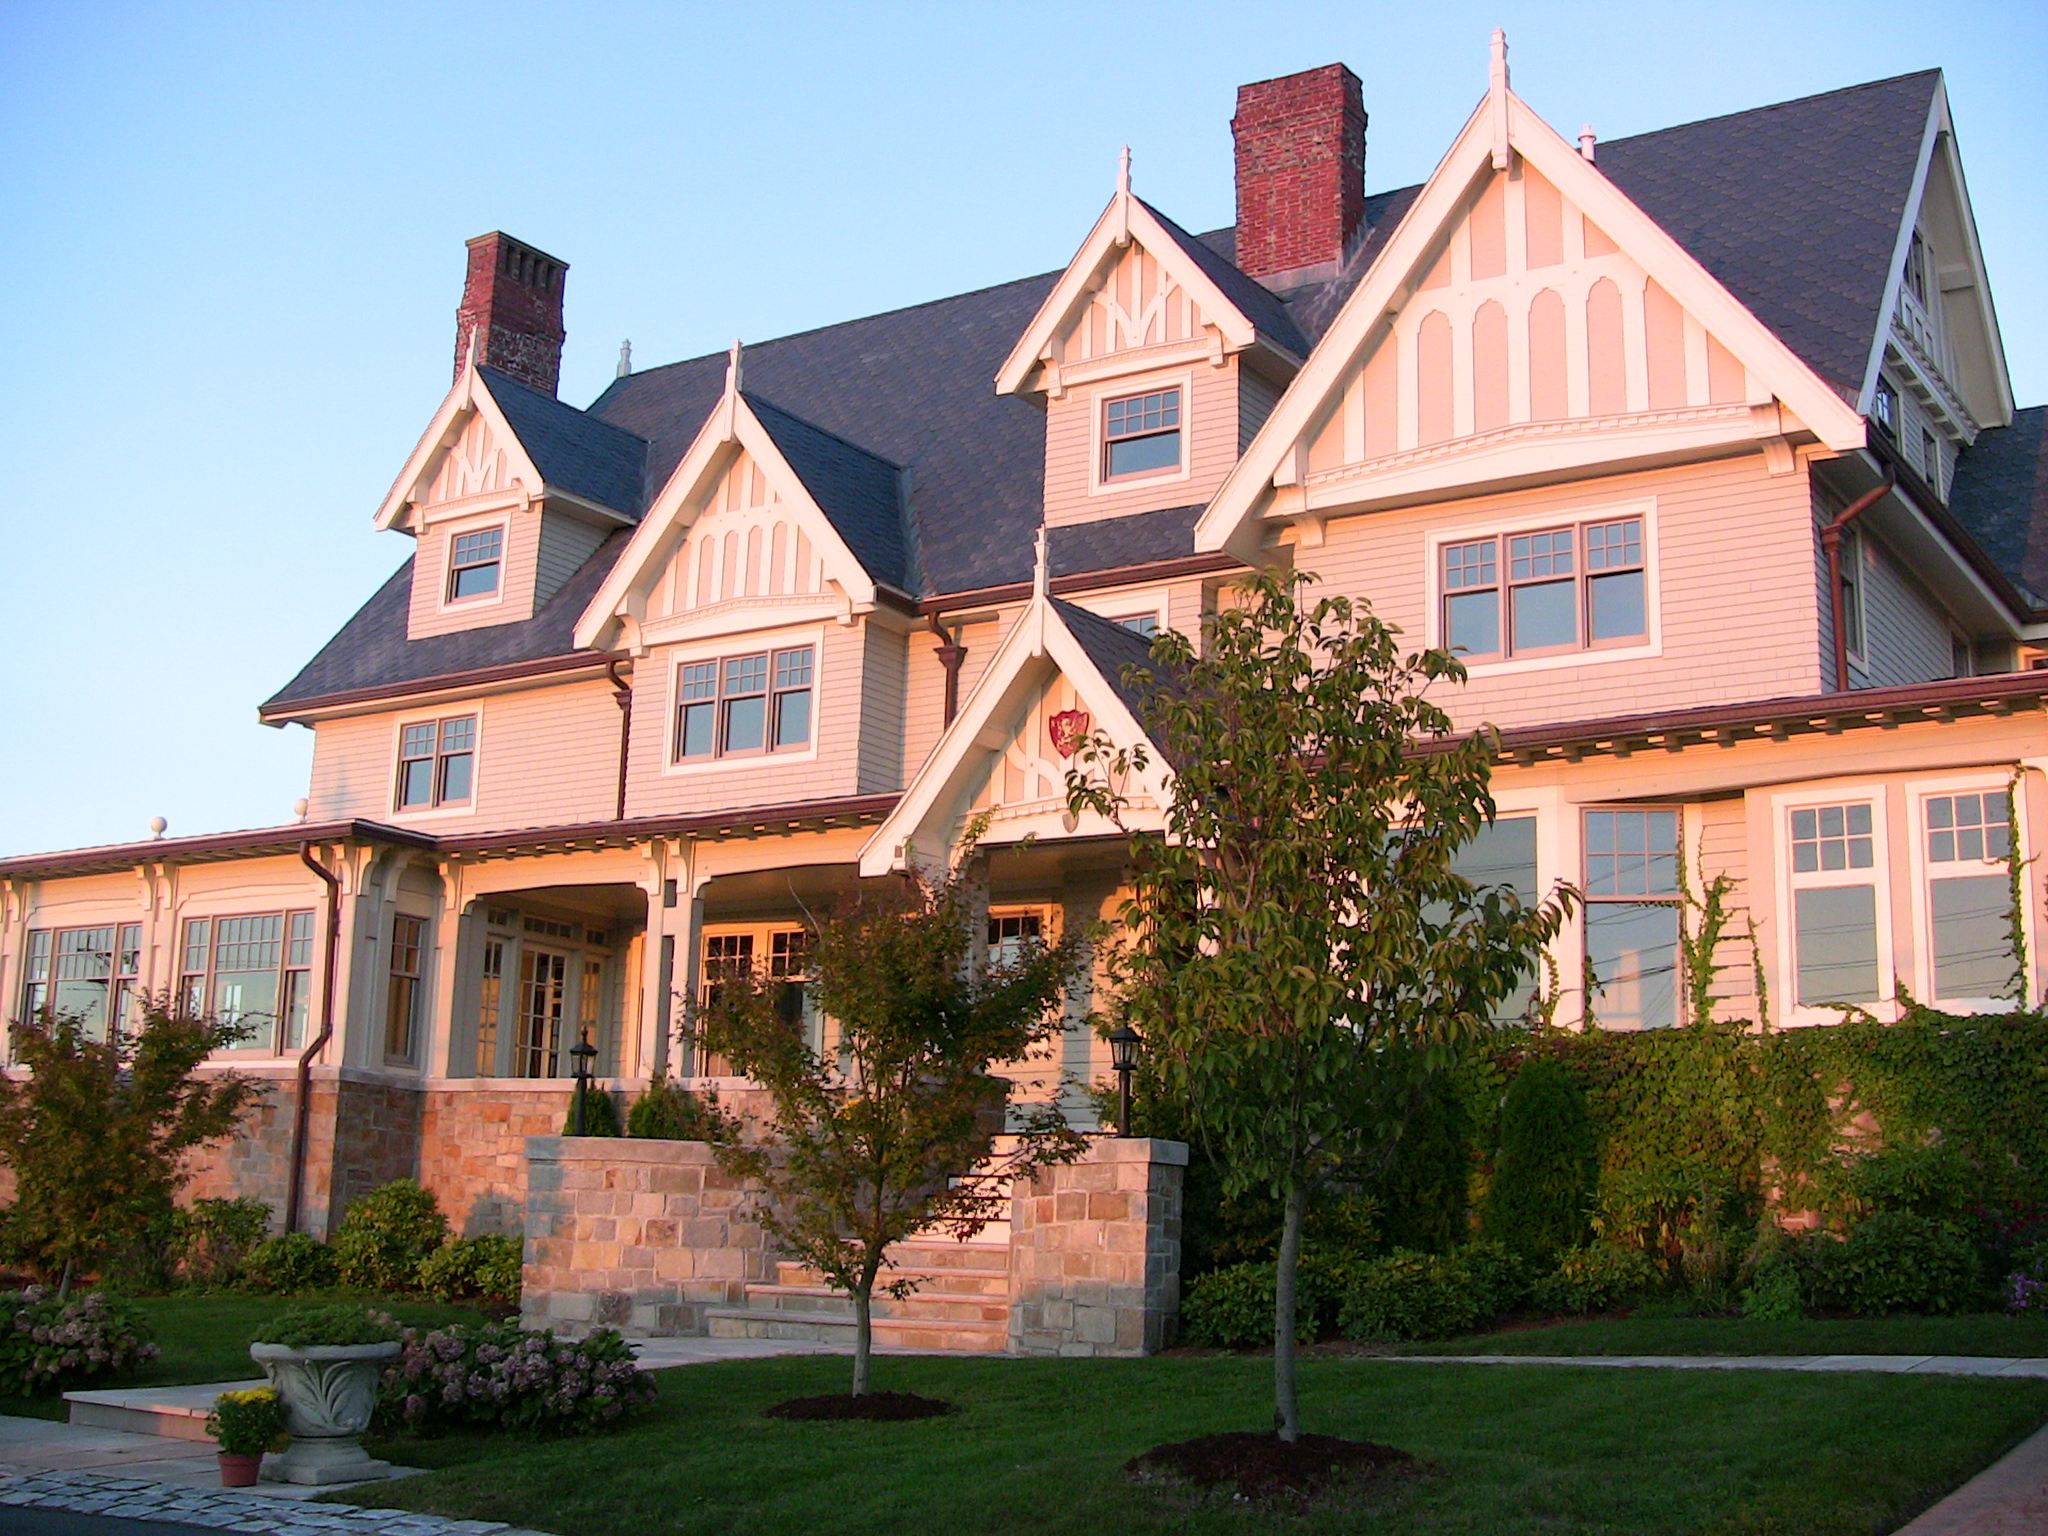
(884, 1407)
(1263, 1466)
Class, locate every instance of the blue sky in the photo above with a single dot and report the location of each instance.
(231, 242)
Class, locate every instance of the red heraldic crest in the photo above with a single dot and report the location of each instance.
(1069, 728)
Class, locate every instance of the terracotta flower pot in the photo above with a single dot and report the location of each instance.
(329, 1392)
(238, 1470)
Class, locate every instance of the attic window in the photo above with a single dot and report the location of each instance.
(1141, 434)
(1884, 407)
(473, 561)
(1916, 268)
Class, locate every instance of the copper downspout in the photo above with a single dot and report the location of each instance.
(302, 1117)
(624, 699)
(950, 653)
(1831, 544)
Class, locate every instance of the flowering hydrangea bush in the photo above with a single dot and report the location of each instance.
(46, 1342)
(501, 1374)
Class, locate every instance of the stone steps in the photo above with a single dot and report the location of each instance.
(962, 1281)
(926, 1305)
(173, 1413)
(917, 1333)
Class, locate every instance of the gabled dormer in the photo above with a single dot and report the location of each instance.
(1525, 323)
(1155, 360)
(1936, 373)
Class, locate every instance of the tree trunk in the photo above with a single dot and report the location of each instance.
(863, 1325)
(1286, 1414)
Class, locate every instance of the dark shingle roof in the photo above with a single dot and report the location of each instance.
(1112, 648)
(1267, 312)
(371, 650)
(859, 493)
(1794, 208)
(574, 451)
(2000, 493)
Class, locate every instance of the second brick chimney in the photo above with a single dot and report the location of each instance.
(512, 304)
(1300, 169)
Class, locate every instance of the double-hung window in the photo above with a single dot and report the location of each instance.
(474, 561)
(1141, 434)
(436, 763)
(407, 985)
(1632, 958)
(1969, 894)
(742, 706)
(254, 970)
(1549, 590)
(90, 974)
(1836, 852)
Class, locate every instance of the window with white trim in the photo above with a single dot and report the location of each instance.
(1577, 586)
(1141, 434)
(251, 969)
(779, 953)
(1631, 917)
(1503, 853)
(407, 981)
(475, 560)
(744, 706)
(90, 974)
(436, 763)
(1835, 852)
(1968, 839)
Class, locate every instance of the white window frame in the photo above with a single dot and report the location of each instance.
(1924, 871)
(277, 1047)
(1098, 400)
(448, 533)
(1120, 607)
(766, 642)
(1434, 541)
(1813, 796)
(1687, 826)
(436, 808)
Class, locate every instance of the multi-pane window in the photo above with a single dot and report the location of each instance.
(474, 560)
(1141, 434)
(726, 955)
(1850, 561)
(741, 706)
(407, 987)
(1553, 589)
(490, 1006)
(1503, 853)
(1146, 624)
(1884, 407)
(1916, 268)
(255, 970)
(90, 974)
(1969, 894)
(1632, 917)
(436, 763)
(1834, 852)
(1012, 936)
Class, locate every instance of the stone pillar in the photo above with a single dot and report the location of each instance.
(1095, 1252)
(642, 1236)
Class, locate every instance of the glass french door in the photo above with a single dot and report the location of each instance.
(543, 997)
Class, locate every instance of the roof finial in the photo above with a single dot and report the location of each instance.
(1123, 199)
(625, 358)
(1586, 142)
(1123, 172)
(1041, 571)
(469, 352)
(732, 368)
(1497, 97)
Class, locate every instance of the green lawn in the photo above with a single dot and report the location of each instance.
(206, 1338)
(1039, 1445)
(1991, 1333)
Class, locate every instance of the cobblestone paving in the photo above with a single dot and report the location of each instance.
(131, 1498)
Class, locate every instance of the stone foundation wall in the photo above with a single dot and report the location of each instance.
(1095, 1252)
(641, 1236)
(473, 1149)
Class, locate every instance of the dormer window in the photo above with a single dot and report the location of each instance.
(1884, 407)
(1141, 434)
(473, 563)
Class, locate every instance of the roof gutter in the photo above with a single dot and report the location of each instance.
(1086, 581)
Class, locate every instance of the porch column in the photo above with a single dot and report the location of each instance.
(674, 914)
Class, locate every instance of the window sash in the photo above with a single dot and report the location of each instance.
(1141, 434)
(1631, 916)
(1832, 859)
(437, 763)
(406, 975)
(474, 562)
(1532, 594)
(252, 968)
(748, 705)
(92, 973)
(1967, 839)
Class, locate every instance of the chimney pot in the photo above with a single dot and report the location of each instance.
(1300, 170)
(512, 303)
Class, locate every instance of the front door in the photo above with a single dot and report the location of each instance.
(543, 994)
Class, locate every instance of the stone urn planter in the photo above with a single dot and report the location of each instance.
(329, 1392)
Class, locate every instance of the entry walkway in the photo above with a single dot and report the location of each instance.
(111, 1475)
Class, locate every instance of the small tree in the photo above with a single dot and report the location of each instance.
(895, 1130)
(1301, 954)
(96, 1130)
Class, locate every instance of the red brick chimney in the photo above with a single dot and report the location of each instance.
(512, 304)
(1300, 169)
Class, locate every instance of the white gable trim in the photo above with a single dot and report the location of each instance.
(1125, 220)
(613, 619)
(1231, 521)
(1039, 637)
(470, 396)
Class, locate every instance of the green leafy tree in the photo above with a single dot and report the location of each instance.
(1300, 952)
(96, 1130)
(895, 1128)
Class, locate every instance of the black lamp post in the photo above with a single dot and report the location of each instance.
(1123, 1057)
(584, 1053)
